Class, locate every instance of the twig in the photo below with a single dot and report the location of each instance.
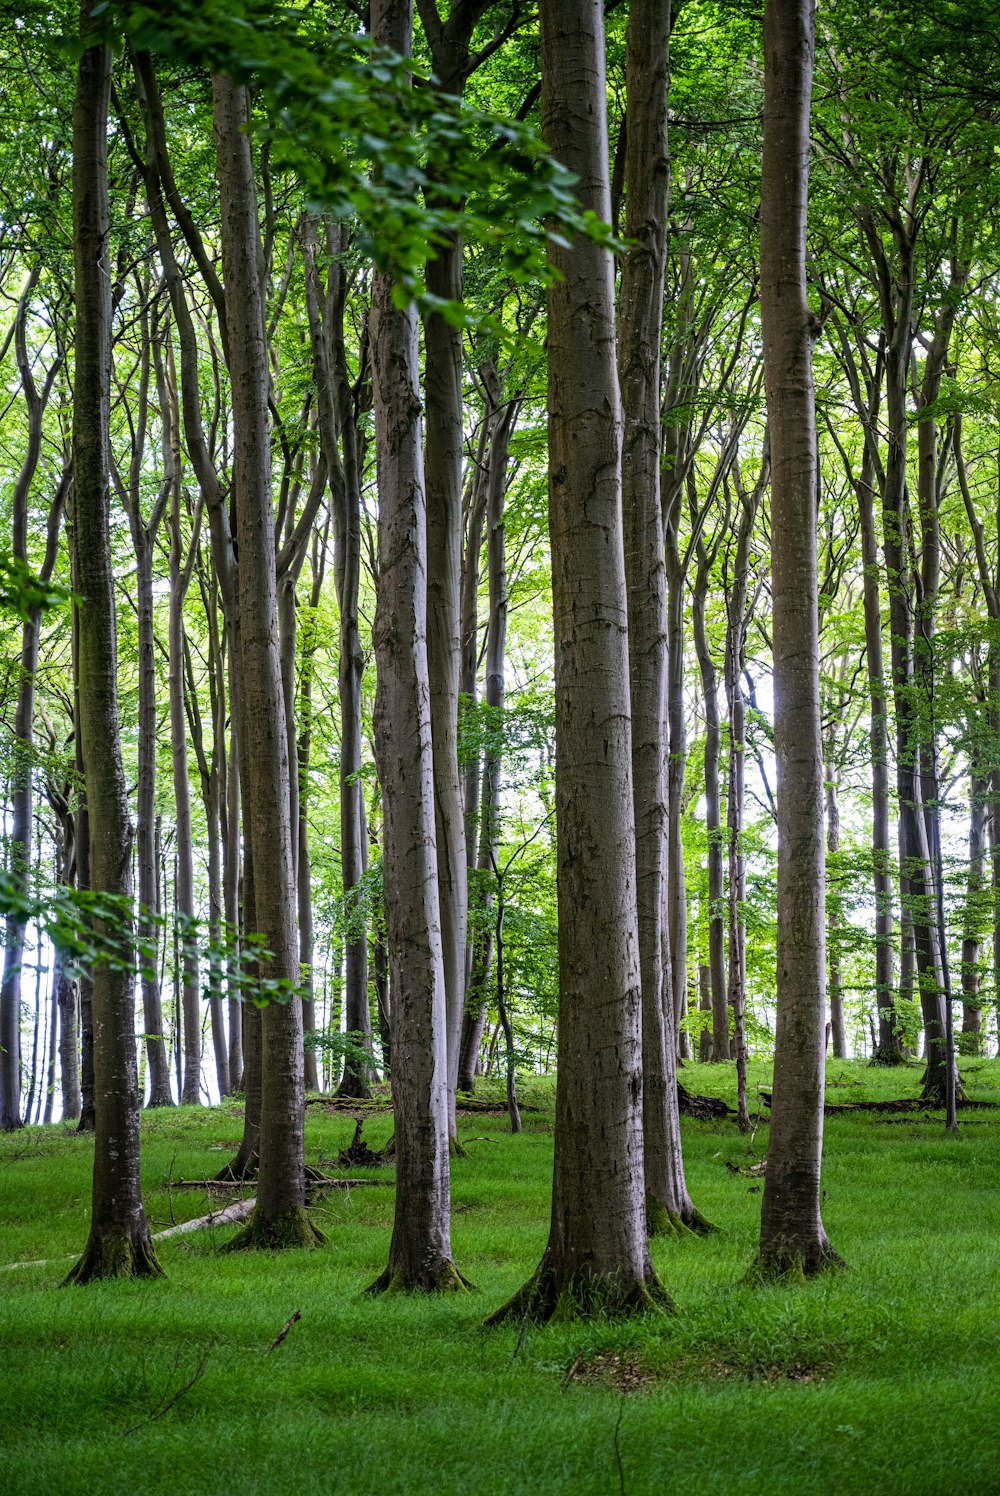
(282, 1333)
(199, 1372)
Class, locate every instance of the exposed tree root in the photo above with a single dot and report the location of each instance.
(290, 1228)
(791, 1264)
(702, 1107)
(887, 1057)
(243, 1166)
(358, 1155)
(550, 1295)
(115, 1254)
(444, 1277)
(662, 1221)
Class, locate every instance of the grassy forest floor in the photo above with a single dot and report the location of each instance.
(883, 1380)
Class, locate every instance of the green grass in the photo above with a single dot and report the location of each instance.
(880, 1381)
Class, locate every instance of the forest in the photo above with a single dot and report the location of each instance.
(500, 753)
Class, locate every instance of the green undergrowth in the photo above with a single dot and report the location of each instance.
(881, 1379)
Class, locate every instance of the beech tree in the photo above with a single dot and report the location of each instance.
(119, 1244)
(792, 1239)
(597, 1257)
(420, 1251)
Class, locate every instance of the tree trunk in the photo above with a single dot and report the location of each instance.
(494, 696)
(676, 739)
(279, 1219)
(597, 1256)
(838, 1034)
(647, 181)
(890, 1049)
(119, 1244)
(792, 1239)
(719, 1037)
(972, 1013)
(420, 1251)
(443, 478)
(337, 417)
(180, 574)
(21, 779)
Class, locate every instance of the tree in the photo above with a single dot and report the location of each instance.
(420, 1250)
(119, 1245)
(792, 1239)
(280, 1218)
(647, 182)
(597, 1256)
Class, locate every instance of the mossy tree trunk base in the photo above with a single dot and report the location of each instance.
(115, 1254)
(354, 1086)
(292, 1228)
(790, 1264)
(662, 1221)
(887, 1056)
(444, 1277)
(554, 1295)
(933, 1090)
(243, 1166)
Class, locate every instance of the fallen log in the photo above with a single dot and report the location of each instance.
(315, 1181)
(231, 1216)
(907, 1104)
(703, 1107)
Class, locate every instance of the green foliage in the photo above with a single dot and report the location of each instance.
(23, 592)
(410, 163)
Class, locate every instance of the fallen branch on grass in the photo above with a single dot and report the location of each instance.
(228, 1217)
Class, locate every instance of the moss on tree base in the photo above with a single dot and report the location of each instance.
(115, 1254)
(444, 1278)
(551, 1295)
(887, 1056)
(662, 1221)
(243, 1166)
(792, 1265)
(290, 1228)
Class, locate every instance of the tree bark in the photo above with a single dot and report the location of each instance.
(280, 1219)
(20, 788)
(501, 424)
(792, 1239)
(669, 1208)
(837, 1031)
(119, 1244)
(420, 1250)
(597, 1256)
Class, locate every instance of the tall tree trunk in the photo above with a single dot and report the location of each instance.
(119, 1243)
(494, 695)
(337, 418)
(280, 1218)
(676, 739)
(420, 1251)
(443, 478)
(792, 1239)
(835, 981)
(183, 836)
(719, 1037)
(647, 182)
(21, 780)
(152, 1008)
(889, 1050)
(972, 1013)
(597, 1256)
